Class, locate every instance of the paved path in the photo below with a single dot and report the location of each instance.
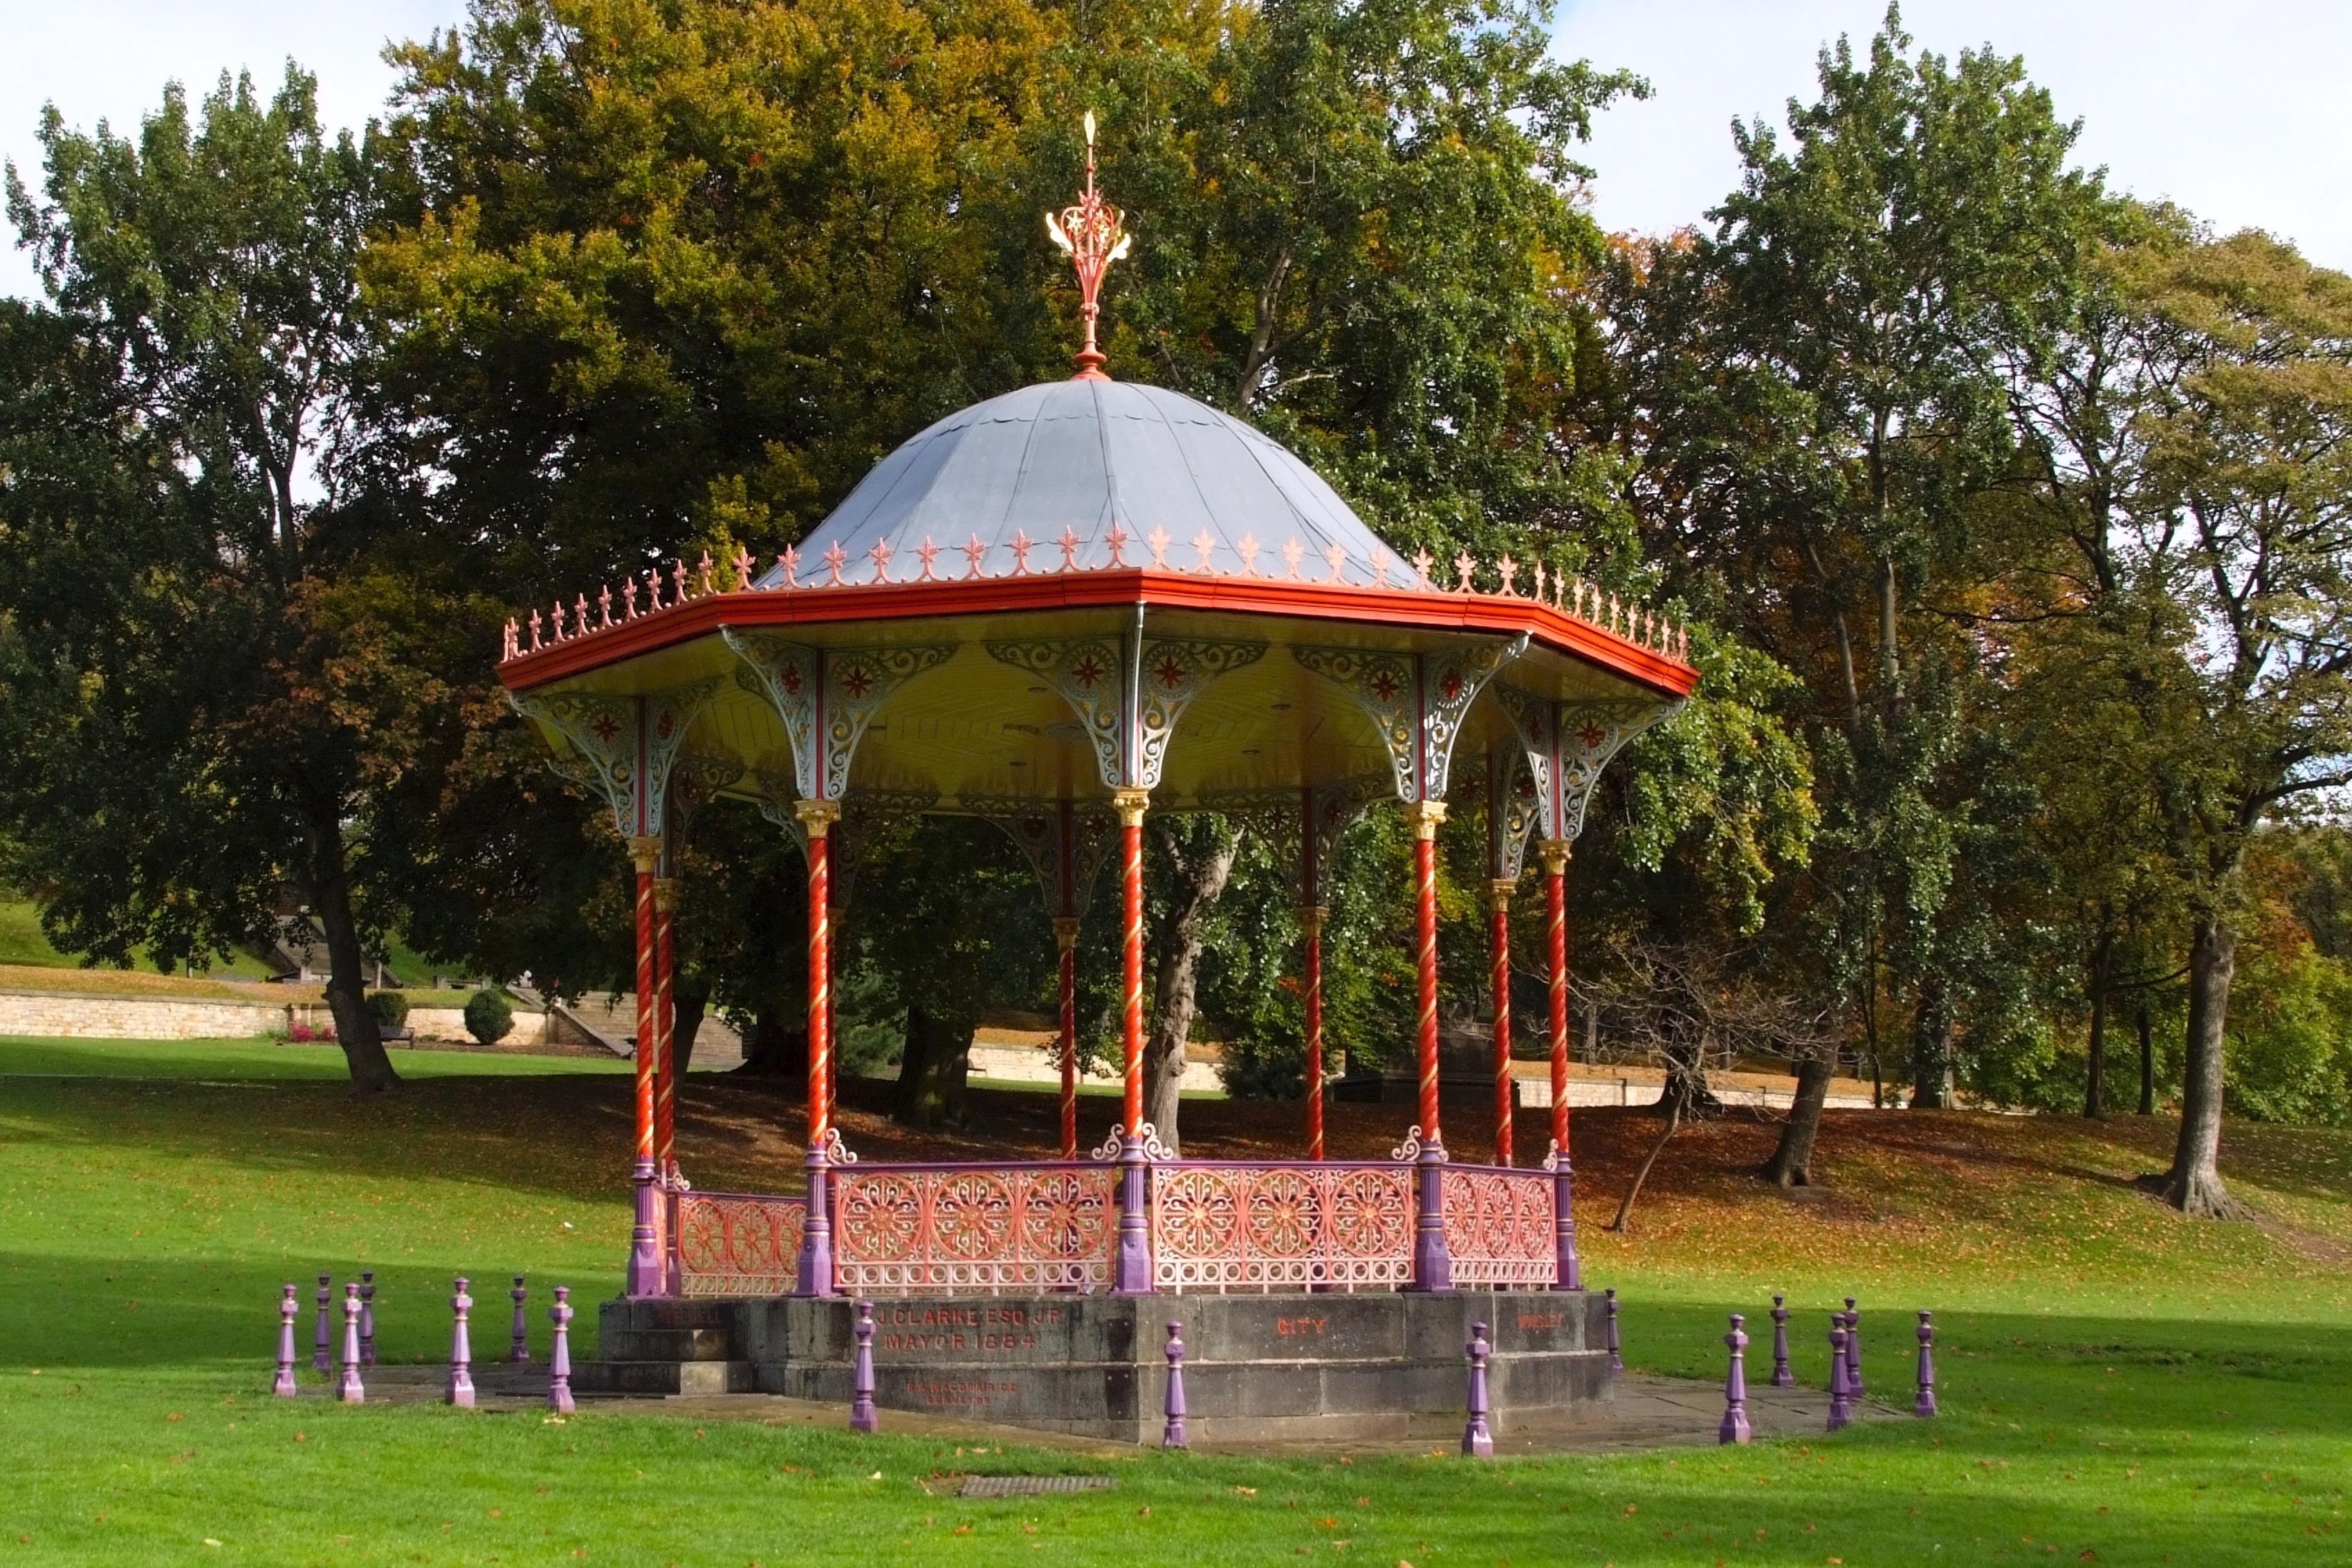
(1648, 1413)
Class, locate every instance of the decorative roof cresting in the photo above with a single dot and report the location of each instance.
(1094, 234)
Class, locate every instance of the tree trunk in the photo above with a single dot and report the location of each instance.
(691, 1005)
(1791, 1164)
(2146, 1063)
(1200, 880)
(1625, 1209)
(1931, 1049)
(2193, 1185)
(779, 1044)
(932, 1073)
(2094, 1077)
(330, 901)
(1684, 1093)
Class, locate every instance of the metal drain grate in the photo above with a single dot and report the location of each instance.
(1031, 1486)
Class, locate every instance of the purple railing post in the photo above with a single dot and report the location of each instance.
(1172, 1435)
(1852, 1351)
(1132, 1268)
(1841, 1409)
(1926, 1404)
(348, 1391)
(1781, 1377)
(1477, 1438)
(1433, 1257)
(1616, 1362)
(559, 1355)
(322, 1356)
(519, 1347)
(1735, 1387)
(816, 1277)
(367, 1317)
(288, 1309)
(1568, 1274)
(861, 1374)
(461, 1389)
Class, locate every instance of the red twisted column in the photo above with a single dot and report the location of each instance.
(1499, 937)
(1432, 1265)
(644, 1272)
(1310, 927)
(1131, 1273)
(1567, 1277)
(817, 818)
(666, 1027)
(1065, 935)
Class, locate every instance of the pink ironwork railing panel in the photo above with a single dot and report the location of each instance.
(1221, 1226)
(1498, 1226)
(737, 1244)
(902, 1229)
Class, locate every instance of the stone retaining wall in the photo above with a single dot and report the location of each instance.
(79, 1016)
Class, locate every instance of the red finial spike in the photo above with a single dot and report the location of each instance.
(1093, 235)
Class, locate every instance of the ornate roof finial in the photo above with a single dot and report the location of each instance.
(1093, 236)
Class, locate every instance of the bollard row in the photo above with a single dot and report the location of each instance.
(358, 1347)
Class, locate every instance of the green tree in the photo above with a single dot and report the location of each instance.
(213, 671)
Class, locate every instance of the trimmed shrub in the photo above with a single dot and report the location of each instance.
(489, 1018)
(390, 1007)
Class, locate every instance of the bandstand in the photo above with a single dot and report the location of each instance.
(1062, 610)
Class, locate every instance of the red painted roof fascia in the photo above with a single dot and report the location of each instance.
(1469, 612)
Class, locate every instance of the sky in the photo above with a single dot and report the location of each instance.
(2236, 110)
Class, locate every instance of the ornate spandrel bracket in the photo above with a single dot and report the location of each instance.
(1568, 744)
(1066, 843)
(1416, 702)
(1306, 825)
(624, 748)
(697, 779)
(862, 812)
(1513, 809)
(1128, 691)
(825, 697)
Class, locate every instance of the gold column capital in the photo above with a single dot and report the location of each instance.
(1132, 804)
(1312, 918)
(666, 895)
(817, 816)
(1502, 888)
(1424, 816)
(1553, 853)
(1066, 931)
(646, 853)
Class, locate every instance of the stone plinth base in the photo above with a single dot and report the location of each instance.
(1378, 1365)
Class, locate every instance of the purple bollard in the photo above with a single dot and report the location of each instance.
(1477, 1439)
(348, 1391)
(288, 1309)
(1781, 1377)
(367, 1317)
(519, 1350)
(1616, 1363)
(1172, 1435)
(861, 1374)
(1926, 1404)
(1841, 1407)
(1735, 1387)
(461, 1389)
(559, 1356)
(1852, 1351)
(322, 1355)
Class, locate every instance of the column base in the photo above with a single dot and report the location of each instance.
(646, 1273)
(1568, 1274)
(1432, 1261)
(816, 1277)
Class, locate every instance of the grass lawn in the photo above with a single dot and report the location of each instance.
(2121, 1386)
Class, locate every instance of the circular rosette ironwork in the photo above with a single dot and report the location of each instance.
(1283, 1215)
(1199, 1213)
(751, 1246)
(1066, 1215)
(881, 1215)
(701, 1236)
(971, 1216)
(1372, 1214)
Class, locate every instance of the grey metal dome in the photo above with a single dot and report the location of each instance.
(1085, 457)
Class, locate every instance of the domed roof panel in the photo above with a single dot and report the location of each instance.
(1084, 457)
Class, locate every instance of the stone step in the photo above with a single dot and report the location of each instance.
(708, 1343)
(666, 1377)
